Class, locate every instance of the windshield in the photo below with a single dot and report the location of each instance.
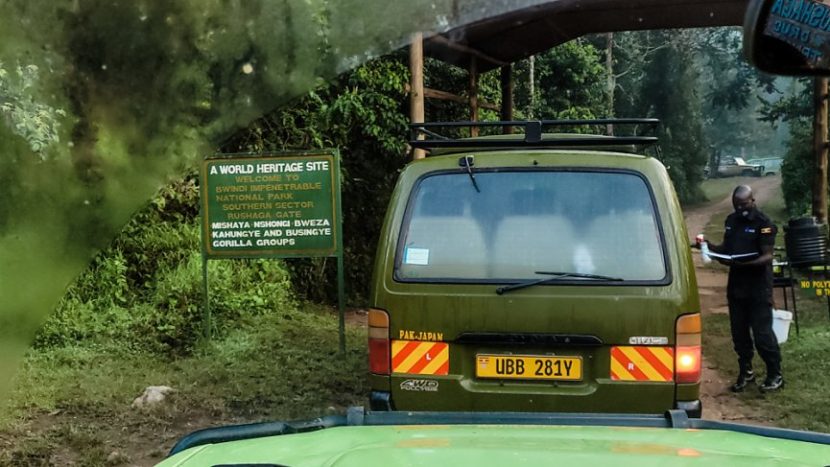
(521, 222)
(109, 108)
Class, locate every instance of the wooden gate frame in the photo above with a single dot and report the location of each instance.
(418, 93)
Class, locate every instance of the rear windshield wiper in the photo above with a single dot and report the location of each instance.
(468, 161)
(557, 276)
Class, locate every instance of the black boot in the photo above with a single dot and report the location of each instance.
(772, 383)
(744, 377)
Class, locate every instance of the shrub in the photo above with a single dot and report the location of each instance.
(797, 169)
(145, 291)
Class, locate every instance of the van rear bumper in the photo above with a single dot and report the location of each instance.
(454, 393)
(694, 409)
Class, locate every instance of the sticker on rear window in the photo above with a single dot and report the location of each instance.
(419, 256)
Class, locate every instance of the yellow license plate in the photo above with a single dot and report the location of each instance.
(529, 367)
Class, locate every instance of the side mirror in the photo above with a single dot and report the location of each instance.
(788, 37)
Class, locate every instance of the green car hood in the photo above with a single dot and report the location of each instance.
(507, 445)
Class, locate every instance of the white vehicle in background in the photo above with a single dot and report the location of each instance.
(771, 165)
(734, 167)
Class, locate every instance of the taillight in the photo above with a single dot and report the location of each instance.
(378, 342)
(687, 354)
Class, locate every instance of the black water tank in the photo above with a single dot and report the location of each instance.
(806, 241)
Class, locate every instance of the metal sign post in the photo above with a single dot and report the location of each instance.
(284, 205)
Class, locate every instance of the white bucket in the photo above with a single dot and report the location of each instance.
(781, 320)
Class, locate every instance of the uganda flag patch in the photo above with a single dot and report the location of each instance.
(766, 230)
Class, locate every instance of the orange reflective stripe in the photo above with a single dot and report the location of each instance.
(634, 369)
(638, 366)
(422, 358)
(618, 366)
(414, 357)
(666, 356)
(641, 363)
(400, 355)
(441, 357)
(655, 362)
(429, 356)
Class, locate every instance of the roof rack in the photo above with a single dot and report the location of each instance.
(533, 137)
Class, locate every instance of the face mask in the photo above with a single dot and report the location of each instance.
(745, 212)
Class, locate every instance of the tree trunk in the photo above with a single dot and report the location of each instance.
(610, 83)
(820, 150)
(416, 93)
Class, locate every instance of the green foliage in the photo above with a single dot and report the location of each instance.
(731, 81)
(708, 98)
(665, 85)
(794, 103)
(455, 80)
(363, 115)
(569, 83)
(795, 108)
(145, 290)
(172, 320)
(797, 169)
(148, 88)
(734, 91)
(34, 121)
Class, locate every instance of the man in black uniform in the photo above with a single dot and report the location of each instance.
(749, 291)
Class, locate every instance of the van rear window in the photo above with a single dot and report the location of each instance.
(520, 222)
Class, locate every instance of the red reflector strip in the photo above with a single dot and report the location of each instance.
(379, 356)
(420, 358)
(630, 363)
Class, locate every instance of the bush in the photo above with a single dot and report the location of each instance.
(797, 169)
(363, 114)
(145, 291)
(172, 321)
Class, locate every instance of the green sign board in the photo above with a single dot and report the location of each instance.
(271, 206)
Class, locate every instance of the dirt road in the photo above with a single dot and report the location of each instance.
(718, 402)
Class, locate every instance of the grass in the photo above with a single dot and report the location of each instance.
(804, 403)
(73, 404)
(134, 319)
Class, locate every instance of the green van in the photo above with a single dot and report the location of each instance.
(536, 272)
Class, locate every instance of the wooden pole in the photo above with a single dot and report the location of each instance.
(531, 86)
(610, 83)
(507, 96)
(820, 150)
(416, 94)
(473, 95)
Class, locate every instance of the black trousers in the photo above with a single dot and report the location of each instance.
(754, 314)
